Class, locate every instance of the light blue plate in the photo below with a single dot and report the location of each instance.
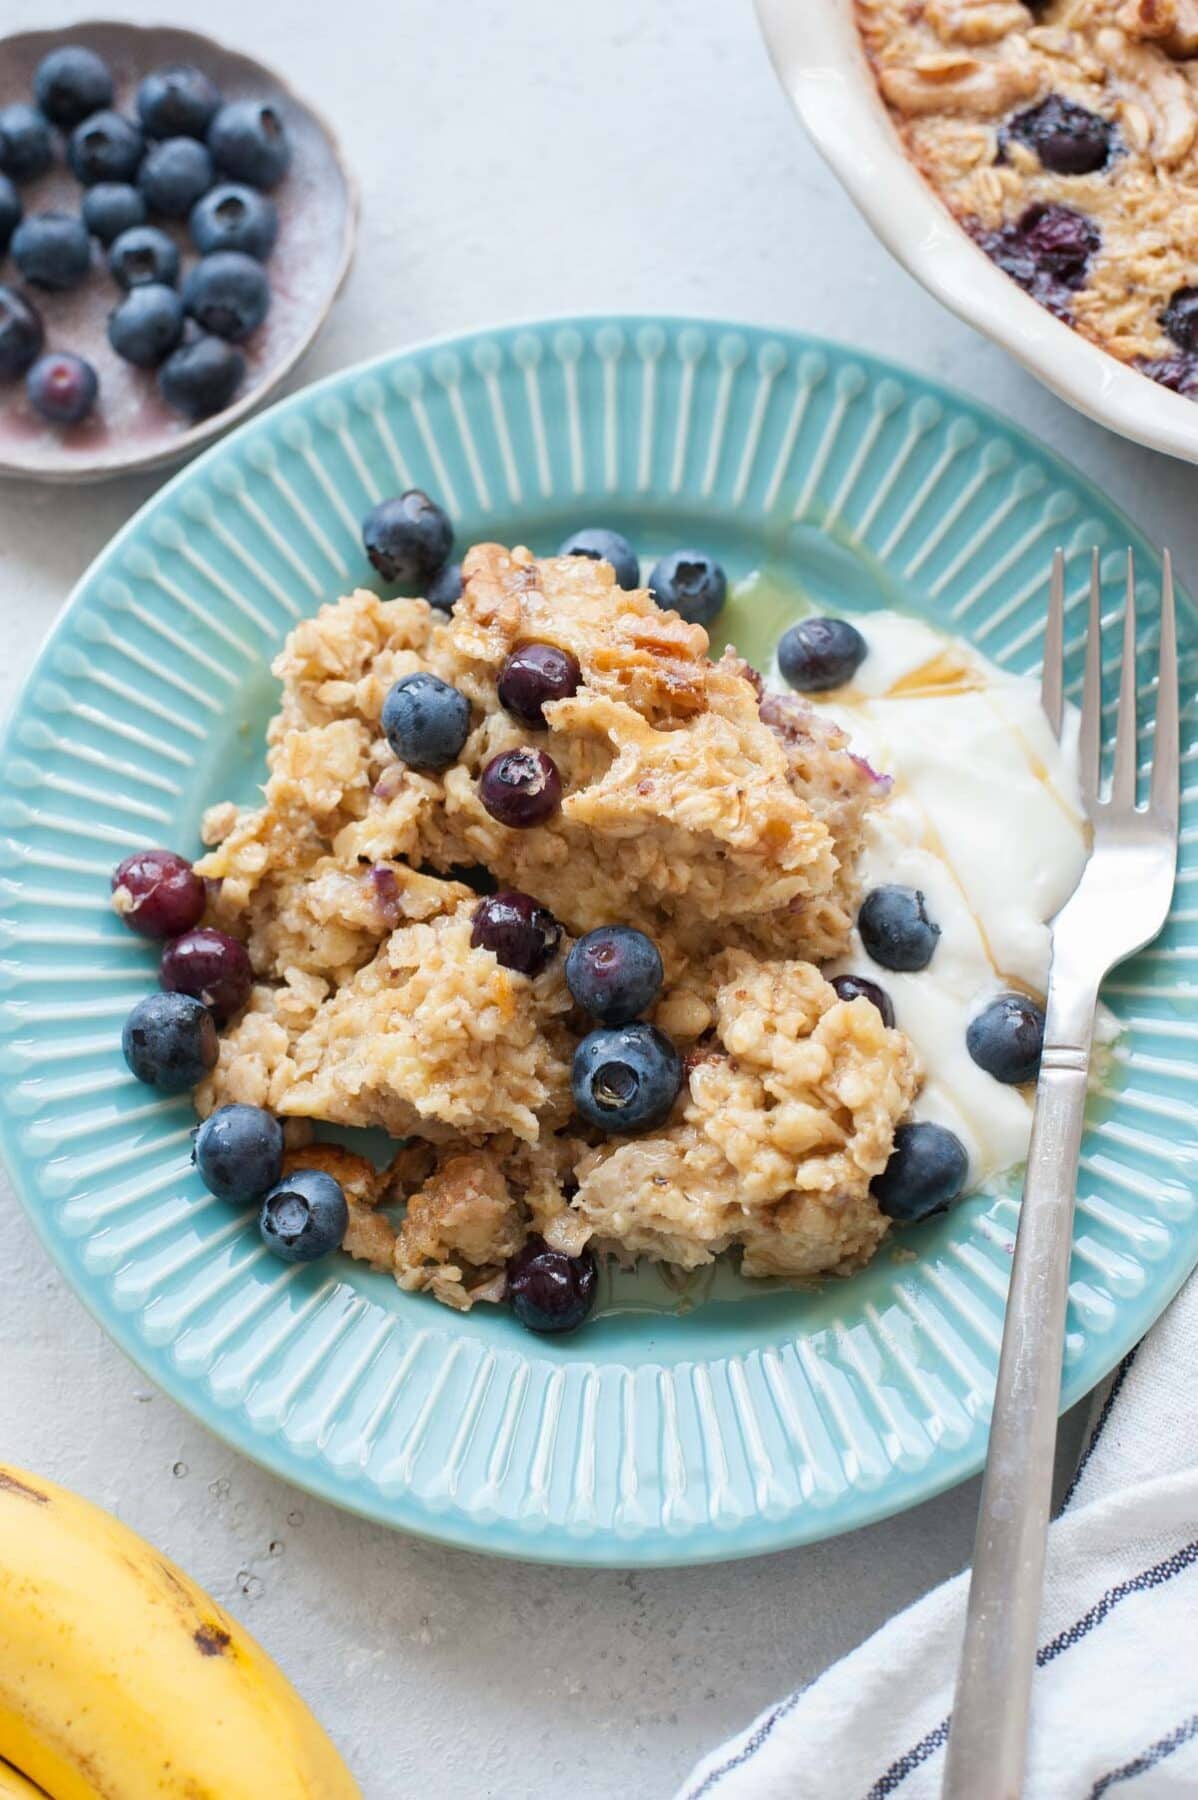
(717, 1424)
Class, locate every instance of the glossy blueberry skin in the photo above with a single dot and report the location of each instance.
(62, 387)
(1068, 139)
(234, 217)
(445, 589)
(52, 250)
(10, 211)
(614, 973)
(106, 147)
(521, 788)
(201, 378)
(606, 546)
(896, 930)
(26, 147)
(227, 294)
(143, 254)
(691, 584)
(304, 1217)
(177, 102)
(239, 1153)
(426, 721)
(147, 325)
(408, 538)
(21, 333)
(926, 1172)
(163, 894)
(1006, 1038)
(532, 677)
(817, 655)
(210, 965)
(521, 934)
(860, 987)
(249, 142)
(625, 1078)
(174, 174)
(170, 1041)
(71, 83)
(548, 1290)
(112, 207)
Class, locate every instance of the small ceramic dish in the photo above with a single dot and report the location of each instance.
(131, 428)
(817, 51)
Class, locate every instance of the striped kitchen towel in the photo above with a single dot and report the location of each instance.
(1115, 1707)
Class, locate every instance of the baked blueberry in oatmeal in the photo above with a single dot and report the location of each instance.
(1064, 137)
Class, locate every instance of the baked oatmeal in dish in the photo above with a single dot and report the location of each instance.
(1063, 134)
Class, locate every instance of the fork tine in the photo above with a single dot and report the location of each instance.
(1090, 738)
(1123, 783)
(1052, 697)
(1164, 796)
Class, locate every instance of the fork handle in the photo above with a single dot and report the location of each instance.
(988, 1735)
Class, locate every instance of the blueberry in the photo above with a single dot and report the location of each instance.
(70, 83)
(1177, 372)
(445, 588)
(407, 538)
(10, 211)
(228, 294)
(26, 148)
(896, 930)
(1047, 250)
(239, 1153)
(211, 965)
(249, 143)
(174, 175)
(1068, 139)
(170, 1041)
(147, 324)
(62, 387)
(201, 378)
(614, 973)
(926, 1172)
(533, 676)
(626, 1078)
(689, 583)
(859, 987)
(177, 102)
(1006, 1038)
(112, 207)
(426, 721)
(144, 254)
(520, 934)
(1180, 318)
(521, 788)
(818, 654)
(158, 894)
(52, 250)
(606, 546)
(548, 1290)
(21, 333)
(304, 1216)
(105, 147)
(234, 218)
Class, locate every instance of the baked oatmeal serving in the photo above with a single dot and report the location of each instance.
(1063, 134)
(573, 913)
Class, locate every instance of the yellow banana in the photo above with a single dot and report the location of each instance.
(120, 1679)
(13, 1785)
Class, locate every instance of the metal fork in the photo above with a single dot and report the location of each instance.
(1118, 906)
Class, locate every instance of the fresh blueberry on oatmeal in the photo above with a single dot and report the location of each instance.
(818, 654)
(239, 1153)
(690, 583)
(1007, 1037)
(408, 538)
(213, 966)
(426, 721)
(170, 1041)
(626, 1078)
(602, 545)
(895, 928)
(521, 788)
(614, 973)
(520, 934)
(926, 1172)
(304, 1217)
(548, 1290)
(533, 676)
(860, 987)
(157, 894)
(1068, 139)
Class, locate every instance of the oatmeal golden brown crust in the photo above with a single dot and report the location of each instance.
(724, 823)
(955, 72)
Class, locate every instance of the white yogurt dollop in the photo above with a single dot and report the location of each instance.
(985, 819)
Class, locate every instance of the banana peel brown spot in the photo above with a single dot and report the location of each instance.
(9, 1484)
(211, 1640)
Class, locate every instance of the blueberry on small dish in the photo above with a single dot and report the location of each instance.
(1006, 1038)
(26, 148)
(691, 584)
(548, 1290)
(239, 1153)
(112, 207)
(234, 217)
(52, 250)
(227, 294)
(143, 253)
(10, 211)
(602, 545)
(174, 174)
(408, 538)
(249, 142)
(21, 333)
(170, 1042)
(147, 324)
(71, 83)
(817, 655)
(925, 1174)
(177, 102)
(62, 387)
(106, 147)
(896, 930)
(625, 1078)
(202, 377)
(304, 1217)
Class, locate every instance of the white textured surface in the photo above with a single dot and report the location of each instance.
(515, 158)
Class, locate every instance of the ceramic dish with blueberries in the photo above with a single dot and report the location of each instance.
(174, 226)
